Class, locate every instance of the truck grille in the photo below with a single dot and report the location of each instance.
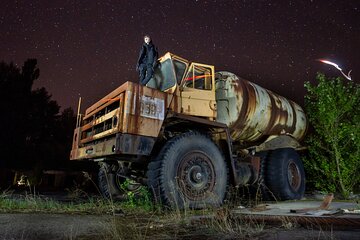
(102, 121)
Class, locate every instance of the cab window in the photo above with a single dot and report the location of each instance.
(198, 78)
(163, 78)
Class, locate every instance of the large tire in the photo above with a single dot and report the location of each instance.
(190, 171)
(110, 183)
(283, 175)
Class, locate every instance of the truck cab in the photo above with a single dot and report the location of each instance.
(193, 83)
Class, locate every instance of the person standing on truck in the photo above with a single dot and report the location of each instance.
(147, 60)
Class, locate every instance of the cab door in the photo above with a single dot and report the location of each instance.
(198, 91)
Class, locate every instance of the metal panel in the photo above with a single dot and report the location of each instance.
(118, 144)
(144, 110)
(134, 145)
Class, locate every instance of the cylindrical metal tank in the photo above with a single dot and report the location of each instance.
(253, 113)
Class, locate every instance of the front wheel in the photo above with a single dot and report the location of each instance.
(190, 171)
(284, 174)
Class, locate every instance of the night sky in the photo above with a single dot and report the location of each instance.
(88, 48)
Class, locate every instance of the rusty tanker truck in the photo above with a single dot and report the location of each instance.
(190, 133)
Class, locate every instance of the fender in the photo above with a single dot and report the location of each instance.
(279, 141)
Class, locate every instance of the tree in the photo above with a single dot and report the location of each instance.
(41, 128)
(15, 94)
(334, 145)
(33, 134)
(64, 136)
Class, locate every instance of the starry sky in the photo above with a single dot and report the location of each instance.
(88, 48)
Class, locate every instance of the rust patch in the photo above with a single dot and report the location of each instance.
(132, 114)
(136, 124)
(279, 116)
(242, 126)
(243, 91)
(176, 101)
(294, 115)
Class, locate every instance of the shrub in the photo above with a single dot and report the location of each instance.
(334, 144)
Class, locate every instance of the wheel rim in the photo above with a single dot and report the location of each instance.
(196, 176)
(294, 176)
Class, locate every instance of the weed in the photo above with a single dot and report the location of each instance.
(126, 228)
(226, 223)
(139, 198)
(77, 190)
(35, 203)
(287, 223)
(6, 193)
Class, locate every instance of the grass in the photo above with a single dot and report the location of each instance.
(77, 201)
(135, 222)
(29, 204)
(139, 218)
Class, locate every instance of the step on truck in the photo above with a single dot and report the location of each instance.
(190, 133)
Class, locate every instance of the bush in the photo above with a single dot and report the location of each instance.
(334, 144)
(140, 197)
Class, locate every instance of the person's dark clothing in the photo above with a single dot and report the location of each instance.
(147, 62)
(146, 72)
(148, 54)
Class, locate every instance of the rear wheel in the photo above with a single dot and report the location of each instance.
(190, 171)
(112, 184)
(284, 175)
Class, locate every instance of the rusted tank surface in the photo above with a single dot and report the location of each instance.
(253, 113)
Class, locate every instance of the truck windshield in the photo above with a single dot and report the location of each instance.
(164, 76)
(179, 70)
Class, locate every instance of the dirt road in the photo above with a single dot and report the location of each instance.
(51, 226)
(63, 226)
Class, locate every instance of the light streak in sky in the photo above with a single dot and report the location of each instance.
(348, 77)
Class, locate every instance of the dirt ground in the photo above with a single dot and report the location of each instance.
(50, 226)
(65, 226)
